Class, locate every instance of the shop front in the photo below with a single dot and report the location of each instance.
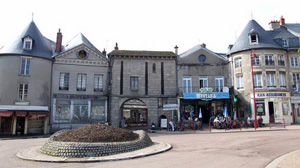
(273, 107)
(204, 105)
(295, 100)
(23, 120)
(134, 113)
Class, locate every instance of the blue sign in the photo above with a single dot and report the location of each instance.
(206, 96)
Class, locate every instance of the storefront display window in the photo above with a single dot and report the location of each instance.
(285, 108)
(80, 110)
(62, 110)
(98, 111)
(260, 108)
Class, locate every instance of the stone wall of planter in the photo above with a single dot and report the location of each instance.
(82, 149)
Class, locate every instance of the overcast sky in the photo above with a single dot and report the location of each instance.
(144, 25)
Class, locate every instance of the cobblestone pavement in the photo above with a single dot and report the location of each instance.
(190, 149)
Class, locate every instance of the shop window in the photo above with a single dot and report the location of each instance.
(98, 111)
(80, 113)
(285, 108)
(62, 110)
(260, 108)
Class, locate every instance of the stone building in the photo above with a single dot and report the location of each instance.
(142, 83)
(79, 84)
(203, 81)
(275, 69)
(25, 84)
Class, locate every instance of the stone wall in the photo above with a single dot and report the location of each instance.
(81, 149)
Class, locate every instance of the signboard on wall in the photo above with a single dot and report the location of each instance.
(163, 123)
(206, 96)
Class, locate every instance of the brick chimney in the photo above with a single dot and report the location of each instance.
(58, 41)
(176, 50)
(104, 52)
(116, 47)
(203, 45)
(274, 24)
(282, 21)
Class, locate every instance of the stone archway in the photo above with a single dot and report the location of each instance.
(134, 113)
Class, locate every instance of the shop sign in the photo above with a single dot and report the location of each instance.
(167, 107)
(271, 95)
(206, 96)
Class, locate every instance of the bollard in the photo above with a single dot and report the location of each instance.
(209, 126)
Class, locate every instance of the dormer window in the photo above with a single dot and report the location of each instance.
(253, 37)
(27, 43)
(285, 42)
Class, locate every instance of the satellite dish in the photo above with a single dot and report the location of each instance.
(225, 89)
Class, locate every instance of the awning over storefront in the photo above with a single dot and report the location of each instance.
(40, 114)
(6, 113)
(21, 114)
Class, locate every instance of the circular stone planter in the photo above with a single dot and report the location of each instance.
(84, 149)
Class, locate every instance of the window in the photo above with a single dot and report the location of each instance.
(202, 58)
(285, 42)
(269, 60)
(295, 61)
(25, 64)
(81, 82)
(203, 82)
(62, 109)
(256, 60)
(153, 68)
(271, 82)
(80, 113)
(238, 62)
(239, 82)
(219, 84)
(296, 81)
(134, 83)
(27, 45)
(64, 81)
(253, 38)
(98, 83)
(98, 110)
(187, 84)
(82, 54)
(23, 91)
(257, 80)
(281, 60)
(282, 79)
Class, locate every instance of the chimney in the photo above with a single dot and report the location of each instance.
(104, 52)
(282, 21)
(203, 45)
(176, 50)
(274, 24)
(58, 41)
(116, 47)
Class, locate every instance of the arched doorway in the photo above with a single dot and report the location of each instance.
(135, 113)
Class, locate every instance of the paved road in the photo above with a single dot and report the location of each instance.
(241, 149)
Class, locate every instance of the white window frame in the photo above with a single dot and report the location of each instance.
(296, 79)
(187, 84)
(239, 82)
(23, 91)
(253, 41)
(25, 66)
(64, 81)
(204, 80)
(98, 82)
(285, 42)
(258, 80)
(282, 79)
(295, 61)
(27, 44)
(271, 79)
(281, 59)
(270, 60)
(219, 84)
(256, 60)
(238, 62)
(81, 82)
(134, 83)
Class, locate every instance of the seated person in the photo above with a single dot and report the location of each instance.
(153, 126)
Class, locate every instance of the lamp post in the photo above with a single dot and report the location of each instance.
(252, 55)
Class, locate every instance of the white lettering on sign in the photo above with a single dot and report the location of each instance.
(271, 94)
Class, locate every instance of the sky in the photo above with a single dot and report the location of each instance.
(156, 25)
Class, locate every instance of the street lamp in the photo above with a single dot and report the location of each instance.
(252, 55)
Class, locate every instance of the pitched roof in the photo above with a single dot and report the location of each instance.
(293, 28)
(78, 40)
(41, 46)
(199, 47)
(265, 39)
(141, 53)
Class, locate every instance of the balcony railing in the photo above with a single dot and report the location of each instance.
(194, 89)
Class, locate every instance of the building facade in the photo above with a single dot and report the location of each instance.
(142, 83)
(25, 83)
(274, 58)
(203, 81)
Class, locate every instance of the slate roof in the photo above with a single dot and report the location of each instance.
(197, 48)
(78, 40)
(265, 39)
(41, 46)
(141, 53)
(293, 28)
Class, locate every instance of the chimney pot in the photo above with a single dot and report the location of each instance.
(104, 52)
(203, 45)
(176, 50)
(282, 20)
(116, 47)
